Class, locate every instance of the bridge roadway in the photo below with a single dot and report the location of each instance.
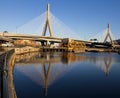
(4, 39)
(14, 36)
(32, 37)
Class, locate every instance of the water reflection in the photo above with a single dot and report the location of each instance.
(46, 68)
(104, 62)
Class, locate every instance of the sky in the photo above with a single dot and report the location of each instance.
(85, 17)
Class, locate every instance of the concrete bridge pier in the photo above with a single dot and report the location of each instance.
(47, 43)
(51, 44)
(43, 43)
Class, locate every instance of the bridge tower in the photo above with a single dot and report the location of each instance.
(48, 23)
(109, 36)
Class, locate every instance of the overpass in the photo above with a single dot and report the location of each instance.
(5, 39)
(32, 37)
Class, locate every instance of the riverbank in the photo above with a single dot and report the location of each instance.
(26, 49)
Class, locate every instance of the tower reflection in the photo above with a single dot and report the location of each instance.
(51, 68)
(108, 64)
(46, 72)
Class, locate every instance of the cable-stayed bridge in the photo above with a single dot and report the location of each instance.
(43, 25)
(46, 29)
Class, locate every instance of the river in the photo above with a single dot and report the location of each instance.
(67, 75)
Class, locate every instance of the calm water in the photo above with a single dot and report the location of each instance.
(67, 75)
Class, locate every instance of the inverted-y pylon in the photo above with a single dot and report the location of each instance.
(47, 23)
(108, 35)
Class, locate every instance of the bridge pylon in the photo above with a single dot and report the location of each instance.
(109, 36)
(48, 23)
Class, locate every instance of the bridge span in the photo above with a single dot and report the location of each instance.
(13, 36)
(74, 45)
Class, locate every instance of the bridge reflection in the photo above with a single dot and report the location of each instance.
(104, 63)
(50, 68)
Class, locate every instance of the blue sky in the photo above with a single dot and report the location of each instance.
(86, 17)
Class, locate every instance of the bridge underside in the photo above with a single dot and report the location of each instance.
(4, 39)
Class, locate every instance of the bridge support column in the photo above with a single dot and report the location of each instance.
(47, 43)
(51, 44)
(43, 43)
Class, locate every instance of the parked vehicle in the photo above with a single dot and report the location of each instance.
(7, 45)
